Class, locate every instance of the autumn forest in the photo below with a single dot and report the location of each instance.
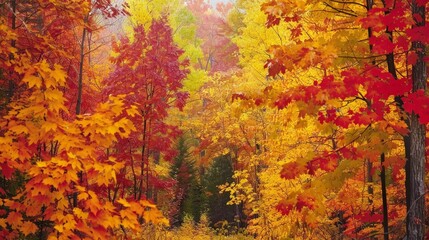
(197, 119)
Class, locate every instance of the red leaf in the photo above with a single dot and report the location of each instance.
(291, 170)
(412, 58)
(382, 44)
(296, 31)
(283, 101)
(6, 170)
(305, 201)
(421, 2)
(402, 43)
(258, 101)
(328, 162)
(274, 67)
(418, 103)
(420, 33)
(417, 17)
(268, 89)
(343, 121)
(369, 217)
(284, 208)
(236, 96)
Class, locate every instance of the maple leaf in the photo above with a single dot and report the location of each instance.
(19, 129)
(328, 162)
(412, 57)
(6, 170)
(240, 96)
(292, 169)
(80, 214)
(368, 216)
(419, 33)
(48, 126)
(418, 103)
(33, 81)
(275, 67)
(28, 228)
(382, 44)
(124, 202)
(305, 200)
(14, 218)
(284, 208)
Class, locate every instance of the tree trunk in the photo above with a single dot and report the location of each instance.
(384, 197)
(79, 94)
(416, 211)
(80, 76)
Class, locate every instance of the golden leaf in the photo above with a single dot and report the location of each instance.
(124, 202)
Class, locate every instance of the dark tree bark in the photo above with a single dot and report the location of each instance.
(80, 74)
(416, 210)
(384, 197)
(392, 70)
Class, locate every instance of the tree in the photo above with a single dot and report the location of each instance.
(188, 194)
(417, 128)
(219, 51)
(155, 84)
(220, 172)
(47, 155)
(394, 17)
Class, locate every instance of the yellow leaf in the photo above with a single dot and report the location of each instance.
(53, 94)
(82, 196)
(124, 202)
(112, 129)
(80, 214)
(47, 126)
(59, 228)
(59, 75)
(70, 223)
(18, 129)
(41, 164)
(155, 216)
(146, 203)
(113, 221)
(132, 111)
(129, 220)
(50, 182)
(33, 81)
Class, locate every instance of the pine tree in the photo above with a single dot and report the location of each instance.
(188, 191)
(220, 172)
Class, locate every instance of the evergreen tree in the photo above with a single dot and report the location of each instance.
(220, 172)
(188, 191)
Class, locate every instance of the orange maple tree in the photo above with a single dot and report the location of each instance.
(55, 167)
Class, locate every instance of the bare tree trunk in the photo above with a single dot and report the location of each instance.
(143, 161)
(79, 94)
(80, 74)
(416, 211)
(384, 197)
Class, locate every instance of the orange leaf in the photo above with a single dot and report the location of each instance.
(14, 218)
(28, 228)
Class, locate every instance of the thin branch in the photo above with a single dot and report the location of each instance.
(339, 10)
(352, 3)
